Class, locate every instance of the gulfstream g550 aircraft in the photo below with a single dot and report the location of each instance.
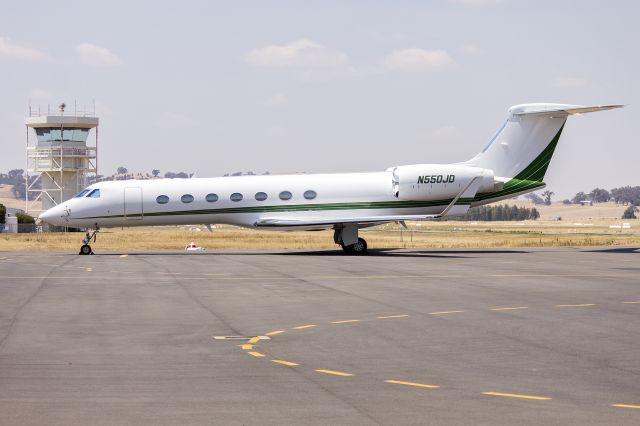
(513, 162)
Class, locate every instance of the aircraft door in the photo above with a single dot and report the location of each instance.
(133, 203)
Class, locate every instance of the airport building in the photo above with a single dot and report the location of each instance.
(59, 160)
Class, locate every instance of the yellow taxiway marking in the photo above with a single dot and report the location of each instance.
(625, 406)
(302, 327)
(273, 333)
(419, 385)
(632, 303)
(393, 316)
(335, 373)
(287, 363)
(256, 354)
(343, 321)
(514, 395)
(124, 255)
(582, 305)
(254, 340)
(89, 269)
(445, 312)
(509, 309)
(246, 347)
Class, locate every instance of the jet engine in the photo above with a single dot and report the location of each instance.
(424, 182)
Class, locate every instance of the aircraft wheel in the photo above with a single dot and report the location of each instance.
(346, 249)
(85, 249)
(359, 248)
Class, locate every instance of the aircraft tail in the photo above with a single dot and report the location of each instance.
(521, 149)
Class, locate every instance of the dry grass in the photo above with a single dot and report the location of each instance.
(420, 235)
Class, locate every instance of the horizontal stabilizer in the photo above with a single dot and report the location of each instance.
(539, 109)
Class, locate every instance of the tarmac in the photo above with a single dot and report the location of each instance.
(399, 337)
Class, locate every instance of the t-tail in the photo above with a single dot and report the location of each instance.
(521, 150)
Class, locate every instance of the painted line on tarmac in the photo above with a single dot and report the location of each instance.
(515, 395)
(287, 363)
(581, 305)
(510, 309)
(633, 303)
(256, 354)
(418, 385)
(247, 347)
(344, 321)
(124, 255)
(393, 316)
(335, 373)
(302, 327)
(273, 333)
(445, 312)
(89, 269)
(625, 406)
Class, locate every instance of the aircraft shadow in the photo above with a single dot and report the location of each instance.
(334, 253)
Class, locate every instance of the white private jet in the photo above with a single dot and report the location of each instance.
(514, 162)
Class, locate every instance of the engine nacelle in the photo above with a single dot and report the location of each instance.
(423, 182)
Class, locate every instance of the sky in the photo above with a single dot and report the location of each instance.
(324, 86)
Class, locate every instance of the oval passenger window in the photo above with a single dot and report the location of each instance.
(310, 195)
(187, 198)
(285, 195)
(236, 196)
(162, 199)
(261, 196)
(212, 198)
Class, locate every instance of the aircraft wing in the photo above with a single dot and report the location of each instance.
(330, 222)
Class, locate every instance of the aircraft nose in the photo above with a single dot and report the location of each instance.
(51, 216)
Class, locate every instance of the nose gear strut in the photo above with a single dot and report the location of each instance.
(85, 249)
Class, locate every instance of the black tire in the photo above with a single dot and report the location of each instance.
(359, 248)
(86, 249)
(346, 249)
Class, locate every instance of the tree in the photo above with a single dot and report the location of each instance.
(547, 197)
(122, 170)
(630, 213)
(25, 218)
(155, 173)
(600, 195)
(579, 197)
(534, 198)
(15, 176)
(3, 213)
(566, 201)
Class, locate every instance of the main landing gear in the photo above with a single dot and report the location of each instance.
(85, 249)
(348, 239)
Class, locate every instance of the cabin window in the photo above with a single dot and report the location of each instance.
(82, 193)
(310, 195)
(285, 195)
(212, 198)
(187, 198)
(94, 194)
(261, 196)
(236, 196)
(162, 199)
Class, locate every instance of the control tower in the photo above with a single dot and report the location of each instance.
(59, 162)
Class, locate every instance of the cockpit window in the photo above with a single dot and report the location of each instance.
(94, 194)
(82, 193)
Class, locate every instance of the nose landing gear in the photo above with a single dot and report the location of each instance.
(85, 249)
